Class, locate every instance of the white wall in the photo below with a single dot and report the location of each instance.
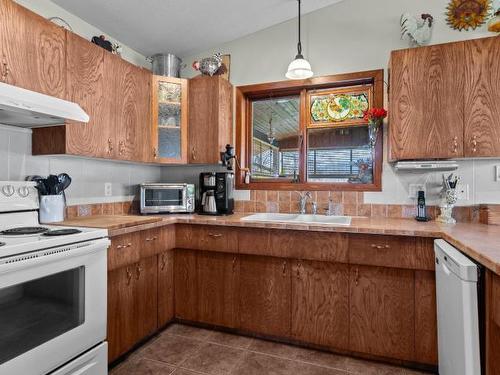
(89, 175)
(354, 35)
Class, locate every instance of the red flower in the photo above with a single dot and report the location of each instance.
(375, 114)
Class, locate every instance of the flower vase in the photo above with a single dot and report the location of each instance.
(373, 129)
(450, 198)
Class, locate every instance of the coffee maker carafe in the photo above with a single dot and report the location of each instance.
(216, 193)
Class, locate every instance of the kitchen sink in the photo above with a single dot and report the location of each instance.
(300, 219)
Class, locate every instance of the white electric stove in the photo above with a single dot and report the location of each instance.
(53, 283)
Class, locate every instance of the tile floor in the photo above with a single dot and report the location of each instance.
(185, 350)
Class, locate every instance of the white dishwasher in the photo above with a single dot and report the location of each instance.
(457, 311)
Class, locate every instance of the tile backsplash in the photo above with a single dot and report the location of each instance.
(345, 203)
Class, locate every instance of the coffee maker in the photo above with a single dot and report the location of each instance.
(216, 193)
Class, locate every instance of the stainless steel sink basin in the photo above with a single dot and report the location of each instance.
(300, 219)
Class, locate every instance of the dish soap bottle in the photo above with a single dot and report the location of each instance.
(421, 209)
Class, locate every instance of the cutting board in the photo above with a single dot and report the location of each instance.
(110, 221)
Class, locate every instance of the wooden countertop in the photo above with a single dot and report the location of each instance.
(479, 241)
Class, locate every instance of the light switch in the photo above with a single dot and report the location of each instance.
(108, 189)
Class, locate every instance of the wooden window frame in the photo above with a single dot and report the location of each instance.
(246, 94)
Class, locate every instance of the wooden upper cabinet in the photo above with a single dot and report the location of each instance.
(130, 88)
(320, 303)
(85, 85)
(426, 102)
(32, 51)
(482, 97)
(210, 118)
(265, 295)
(170, 120)
(382, 312)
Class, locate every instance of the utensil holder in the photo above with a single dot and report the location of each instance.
(52, 208)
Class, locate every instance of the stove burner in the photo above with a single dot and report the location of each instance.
(2, 244)
(62, 232)
(21, 231)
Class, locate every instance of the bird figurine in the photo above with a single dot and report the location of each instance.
(417, 30)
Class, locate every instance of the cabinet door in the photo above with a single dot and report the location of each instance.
(170, 119)
(210, 118)
(320, 303)
(217, 288)
(426, 102)
(129, 86)
(33, 51)
(165, 287)
(146, 297)
(382, 310)
(186, 285)
(122, 330)
(85, 86)
(265, 295)
(482, 97)
(426, 349)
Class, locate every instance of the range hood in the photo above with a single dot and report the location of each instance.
(422, 166)
(29, 109)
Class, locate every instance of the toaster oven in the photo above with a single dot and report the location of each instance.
(167, 198)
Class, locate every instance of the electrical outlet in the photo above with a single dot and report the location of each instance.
(413, 190)
(108, 189)
(463, 192)
(497, 173)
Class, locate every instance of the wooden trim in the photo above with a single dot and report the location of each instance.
(246, 94)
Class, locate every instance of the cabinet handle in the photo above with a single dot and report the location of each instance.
(380, 246)
(138, 273)
(110, 146)
(474, 143)
(163, 262)
(215, 235)
(128, 245)
(299, 265)
(193, 153)
(155, 153)
(121, 147)
(455, 144)
(118, 247)
(234, 263)
(154, 238)
(283, 268)
(129, 276)
(5, 71)
(356, 277)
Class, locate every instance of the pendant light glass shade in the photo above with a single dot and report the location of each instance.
(300, 67)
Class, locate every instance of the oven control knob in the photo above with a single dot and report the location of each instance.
(23, 191)
(8, 190)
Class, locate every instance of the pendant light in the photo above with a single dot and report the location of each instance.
(300, 67)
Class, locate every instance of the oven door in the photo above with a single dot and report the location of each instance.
(156, 199)
(52, 306)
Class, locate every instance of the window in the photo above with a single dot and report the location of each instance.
(297, 135)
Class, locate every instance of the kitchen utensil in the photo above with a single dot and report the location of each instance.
(64, 181)
(52, 184)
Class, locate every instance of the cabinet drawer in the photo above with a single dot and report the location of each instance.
(322, 246)
(207, 237)
(151, 242)
(255, 242)
(124, 250)
(381, 250)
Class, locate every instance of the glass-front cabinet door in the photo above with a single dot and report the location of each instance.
(170, 118)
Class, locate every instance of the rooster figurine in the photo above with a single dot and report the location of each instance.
(417, 30)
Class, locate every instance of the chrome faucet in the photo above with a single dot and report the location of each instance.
(314, 207)
(303, 200)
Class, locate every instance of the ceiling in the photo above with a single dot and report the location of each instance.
(283, 114)
(184, 27)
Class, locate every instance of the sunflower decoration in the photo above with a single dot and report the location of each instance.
(467, 14)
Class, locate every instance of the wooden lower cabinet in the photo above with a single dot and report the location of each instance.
(132, 305)
(265, 295)
(320, 303)
(492, 323)
(382, 311)
(165, 287)
(426, 346)
(206, 287)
